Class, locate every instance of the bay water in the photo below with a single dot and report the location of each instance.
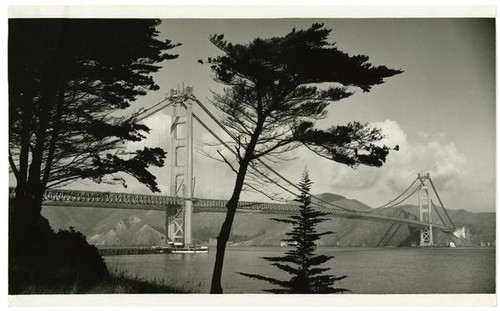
(413, 270)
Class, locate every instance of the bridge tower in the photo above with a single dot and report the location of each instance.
(424, 204)
(181, 166)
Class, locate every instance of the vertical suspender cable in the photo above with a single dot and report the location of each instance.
(144, 115)
(440, 202)
(234, 152)
(438, 213)
(402, 193)
(260, 160)
(401, 201)
(255, 169)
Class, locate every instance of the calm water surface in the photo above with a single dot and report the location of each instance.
(369, 270)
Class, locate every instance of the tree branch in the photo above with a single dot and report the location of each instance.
(13, 166)
(227, 162)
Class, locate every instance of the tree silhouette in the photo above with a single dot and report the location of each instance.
(301, 261)
(67, 80)
(275, 89)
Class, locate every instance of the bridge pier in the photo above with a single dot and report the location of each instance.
(181, 166)
(426, 238)
(424, 204)
(460, 232)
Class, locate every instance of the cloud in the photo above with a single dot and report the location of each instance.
(423, 134)
(159, 135)
(441, 159)
(370, 184)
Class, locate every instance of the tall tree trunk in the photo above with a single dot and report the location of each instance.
(54, 138)
(34, 184)
(231, 206)
(51, 79)
(49, 87)
(22, 177)
(226, 229)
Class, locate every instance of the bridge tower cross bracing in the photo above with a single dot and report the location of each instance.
(181, 168)
(424, 204)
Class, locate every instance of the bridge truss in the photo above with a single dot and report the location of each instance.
(173, 205)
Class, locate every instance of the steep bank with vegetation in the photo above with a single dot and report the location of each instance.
(42, 261)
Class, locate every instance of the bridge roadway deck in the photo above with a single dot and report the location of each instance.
(79, 198)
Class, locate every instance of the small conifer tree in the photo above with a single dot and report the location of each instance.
(301, 262)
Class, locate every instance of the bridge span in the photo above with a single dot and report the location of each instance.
(172, 205)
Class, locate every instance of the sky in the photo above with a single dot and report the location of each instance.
(440, 110)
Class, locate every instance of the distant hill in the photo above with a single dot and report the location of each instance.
(353, 204)
(135, 227)
(129, 231)
(341, 201)
(481, 227)
(330, 197)
(110, 226)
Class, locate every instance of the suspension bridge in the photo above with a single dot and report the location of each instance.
(180, 205)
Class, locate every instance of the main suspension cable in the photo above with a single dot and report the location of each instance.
(143, 115)
(401, 201)
(440, 202)
(234, 152)
(438, 213)
(260, 160)
(400, 195)
(254, 168)
(146, 112)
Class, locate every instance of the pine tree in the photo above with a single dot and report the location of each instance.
(275, 89)
(301, 262)
(69, 82)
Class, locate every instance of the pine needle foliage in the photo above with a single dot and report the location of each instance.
(275, 89)
(302, 262)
